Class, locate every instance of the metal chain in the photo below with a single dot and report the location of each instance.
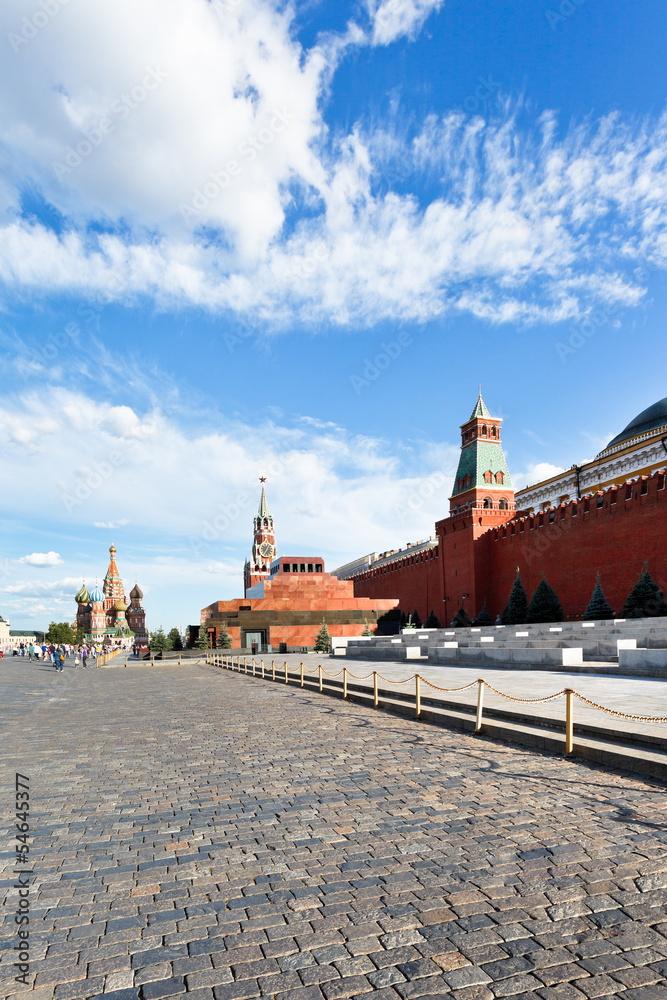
(532, 701)
(450, 690)
(388, 681)
(620, 715)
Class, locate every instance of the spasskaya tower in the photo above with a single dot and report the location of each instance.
(264, 549)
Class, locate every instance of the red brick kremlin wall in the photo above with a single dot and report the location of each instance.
(612, 532)
(415, 580)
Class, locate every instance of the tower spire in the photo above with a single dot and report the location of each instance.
(263, 505)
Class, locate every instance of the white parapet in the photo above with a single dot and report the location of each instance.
(413, 652)
(572, 656)
(637, 660)
(625, 644)
(555, 630)
(449, 645)
(487, 638)
(521, 635)
(588, 624)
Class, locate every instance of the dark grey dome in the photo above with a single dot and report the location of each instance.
(648, 420)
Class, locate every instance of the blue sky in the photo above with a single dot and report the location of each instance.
(240, 238)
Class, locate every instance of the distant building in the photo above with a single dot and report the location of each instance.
(4, 632)
(104, 613)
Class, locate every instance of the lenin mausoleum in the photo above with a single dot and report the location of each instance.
(287, 598)
(608, 516)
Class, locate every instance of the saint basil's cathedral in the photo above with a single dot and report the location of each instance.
(104, 613)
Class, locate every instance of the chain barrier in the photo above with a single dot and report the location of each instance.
(568, 693)
(620, 715)
(450, 690)
(526, 701)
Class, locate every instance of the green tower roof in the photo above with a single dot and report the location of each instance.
(480, 408)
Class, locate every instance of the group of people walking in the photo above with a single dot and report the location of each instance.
(59, 653)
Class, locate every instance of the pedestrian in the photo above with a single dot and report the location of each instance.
(44, 647)
(31, 652)
(52, 653)
(61, 658)
(499, 620)
(84, 656)
(76, 659)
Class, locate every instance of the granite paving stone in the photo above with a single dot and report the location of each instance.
(204, 834)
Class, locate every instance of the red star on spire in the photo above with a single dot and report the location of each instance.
(262, 479)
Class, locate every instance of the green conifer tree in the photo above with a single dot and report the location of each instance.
(367, 629)
(645, 600)
(158, 642)
(203, 640)
(599, 609)
(224, 640)
(484, 618)
(461, 619)
(432, 621)
(323, 639)
(409, 624)
(416, 620)
(544, 604)
(517, 605)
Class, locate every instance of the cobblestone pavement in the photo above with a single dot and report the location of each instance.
(198, 832)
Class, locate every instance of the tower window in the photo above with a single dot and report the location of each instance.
(503, 504)
(485, 430)
(488, 503)
(488, 477)
(500, 478)
(467, 481)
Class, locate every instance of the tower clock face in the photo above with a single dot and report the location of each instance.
(266, 549)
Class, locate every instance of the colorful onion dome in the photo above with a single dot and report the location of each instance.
(96, 596)
(83, 597)
(120, 605)
(136, 593)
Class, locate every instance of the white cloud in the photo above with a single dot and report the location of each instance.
(535, 473)
(525, 224)
(210, 477)
(42, 559)
(393, 19)
(111, 524)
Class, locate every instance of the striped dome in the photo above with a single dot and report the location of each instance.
(96, 596)
(83, 597)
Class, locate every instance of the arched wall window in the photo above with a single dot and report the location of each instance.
(488, 503)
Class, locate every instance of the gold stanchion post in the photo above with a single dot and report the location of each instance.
(319, 675)
(418, 696)
(302, 675)
(262, 663)
(286, 678)
(480, 699)
(569, 721)
(253, 666)
(273, 670)
(344, 682)
(375, 688)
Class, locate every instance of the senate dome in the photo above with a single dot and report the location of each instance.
(649, 420)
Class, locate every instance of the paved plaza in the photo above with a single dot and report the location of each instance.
(201, 832)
